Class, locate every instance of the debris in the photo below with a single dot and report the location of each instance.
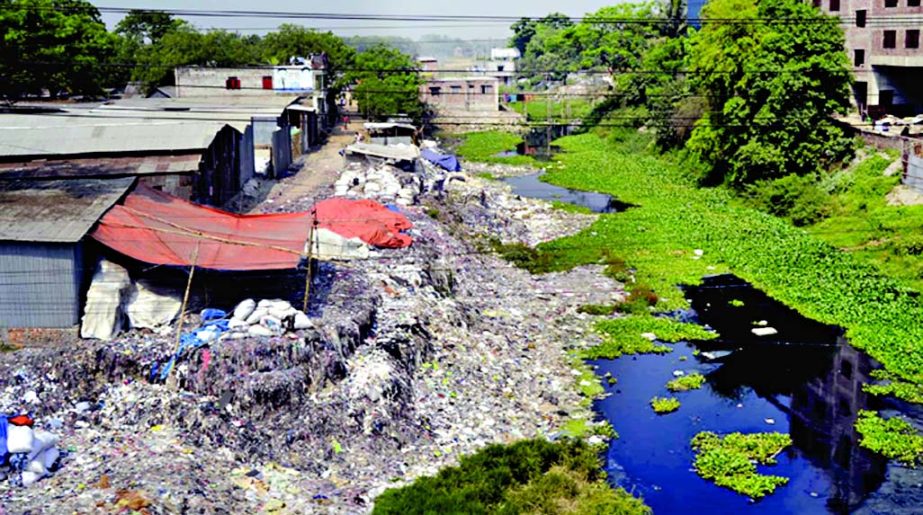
(764, 331)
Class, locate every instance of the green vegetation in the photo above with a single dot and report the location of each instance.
(387, 83)
(532, 476)
(737, 303)
(484, 147)
(894, 438)
(567, 207)
(631, 335)
(686, 383)
(58, 45)
(664, 405)
(894, 386)
(565, 110)
(597, 309)
(769, 125)
(730, 461)
(487, 176)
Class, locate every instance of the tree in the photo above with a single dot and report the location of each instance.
(59, 46)
(387, 83)
(297, 41)
(771, 89)
(146, 27)
(184, 46)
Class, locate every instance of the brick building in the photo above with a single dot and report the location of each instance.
(884, 47)
(462, 94)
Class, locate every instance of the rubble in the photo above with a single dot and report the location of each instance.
(403, 363)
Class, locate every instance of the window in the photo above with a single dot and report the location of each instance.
(456, 89)
(817, 3)
(859, 57)
(232, 83)
(487, 89)
(860, 18)
(890, 39)
(912, 39)
(834, 5)
(846, 369)
(913, 3)
(435, 91)
(890, 3)
(267, 82)
(500, 67)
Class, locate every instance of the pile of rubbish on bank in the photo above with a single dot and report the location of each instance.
(26, 454)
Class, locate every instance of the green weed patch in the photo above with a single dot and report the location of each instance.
(730, 461)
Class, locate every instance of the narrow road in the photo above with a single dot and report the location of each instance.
(321, 168)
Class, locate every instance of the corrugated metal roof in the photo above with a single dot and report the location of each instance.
(59, 135)
(101, 167)
(56, 211)
(398, 152)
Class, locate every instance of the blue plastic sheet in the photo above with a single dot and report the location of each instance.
(445, 161)
(213, 320)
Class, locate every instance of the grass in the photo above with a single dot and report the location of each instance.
(894, 438)
(664, 405)
(861, 221)
(567, 207)
(686, 383)
(484, 147)
(730, 461)
(532, 476)
(558, 111)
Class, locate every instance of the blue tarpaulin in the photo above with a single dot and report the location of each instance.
(446, 161)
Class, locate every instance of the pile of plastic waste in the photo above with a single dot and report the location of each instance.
(30, 454)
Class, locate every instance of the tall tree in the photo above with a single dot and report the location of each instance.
(297, 41)
(146, 26)
(387, 83)
(771, 89)
(184, 45)
(58, 46)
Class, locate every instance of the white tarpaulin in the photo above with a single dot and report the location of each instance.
(152, 308)
(102, 314)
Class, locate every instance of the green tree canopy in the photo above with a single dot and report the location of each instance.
(771, 89)
(184, 45)
(387, 83)
(146, 26)
(61, 46)
(297, 41)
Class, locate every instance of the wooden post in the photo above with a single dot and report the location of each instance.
(182, 311)
(307, 280)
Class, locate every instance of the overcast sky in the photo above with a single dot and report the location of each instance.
(467, 30)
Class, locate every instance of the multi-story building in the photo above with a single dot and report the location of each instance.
(884, 47)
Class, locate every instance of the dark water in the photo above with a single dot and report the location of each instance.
(531, 186)
(806, 381)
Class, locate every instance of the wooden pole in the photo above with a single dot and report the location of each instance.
(182, 311)
(307, 280)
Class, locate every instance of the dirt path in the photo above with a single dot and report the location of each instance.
(321, 168)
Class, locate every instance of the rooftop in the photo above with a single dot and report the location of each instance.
(56, 211)
(101, 167)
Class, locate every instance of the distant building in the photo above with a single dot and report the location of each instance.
(428, 64)
(502, 64)
(307, 79)
(462, 94)
(885, 50)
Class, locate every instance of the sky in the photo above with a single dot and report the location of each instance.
(466, 30)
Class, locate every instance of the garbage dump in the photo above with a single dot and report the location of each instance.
(407, 360)
(26, 454)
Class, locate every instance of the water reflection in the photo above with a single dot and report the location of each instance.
(531, 186)
(806, 369)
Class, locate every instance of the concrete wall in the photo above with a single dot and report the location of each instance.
(40, 284)
(192, 81)
(473, 93)
(893, 70)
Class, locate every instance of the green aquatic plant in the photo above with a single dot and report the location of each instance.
(894, 437)
(686, 383)
(636, 334)
(664, 405)
(730, 461)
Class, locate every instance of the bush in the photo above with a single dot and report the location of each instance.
(531, 476)
(797, 198)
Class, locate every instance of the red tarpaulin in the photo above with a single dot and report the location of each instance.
(158, 228)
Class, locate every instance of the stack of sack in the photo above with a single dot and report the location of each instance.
(266, 318)
(31, 453)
